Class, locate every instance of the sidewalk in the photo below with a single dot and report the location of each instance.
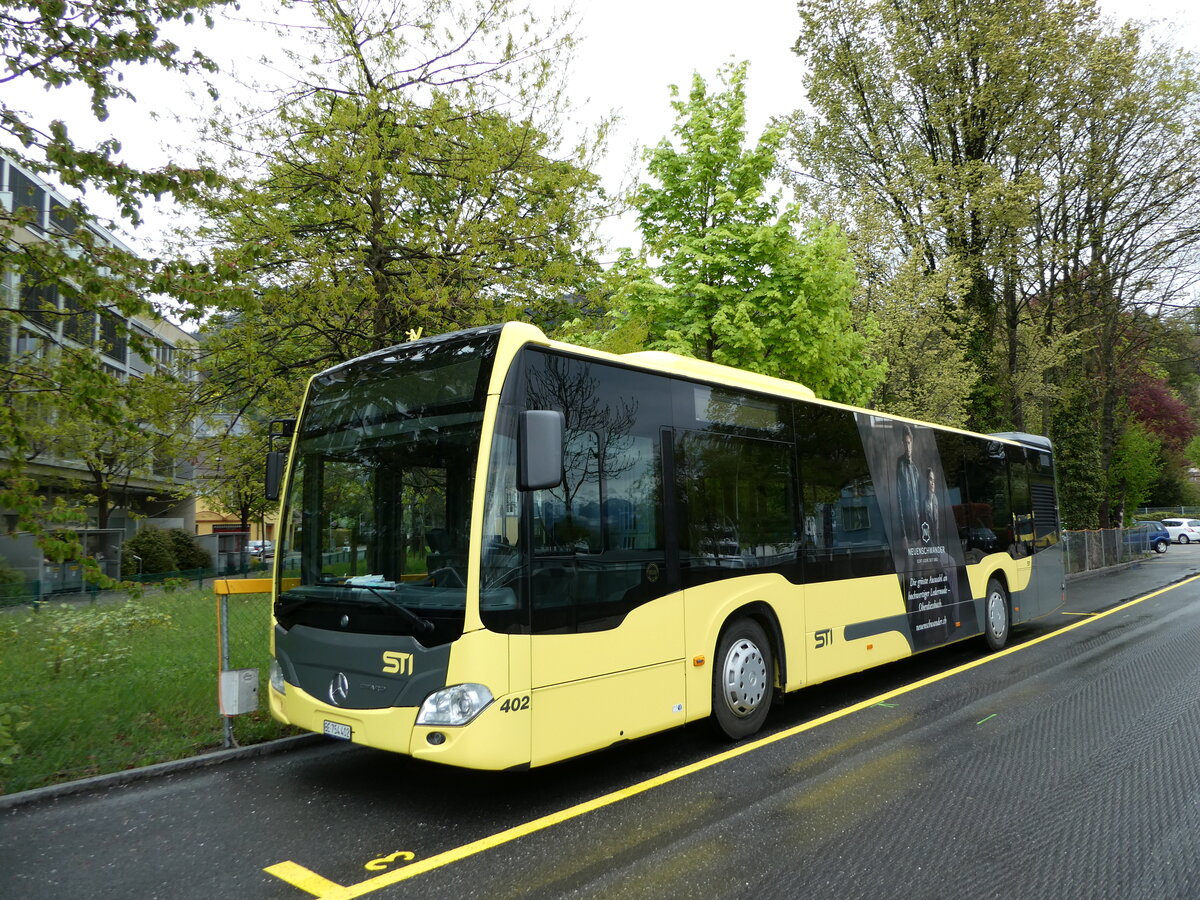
(1094, 592)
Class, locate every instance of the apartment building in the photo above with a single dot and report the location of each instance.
(156, 490)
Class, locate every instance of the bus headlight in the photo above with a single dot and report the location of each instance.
(455, 705)
(277, 681)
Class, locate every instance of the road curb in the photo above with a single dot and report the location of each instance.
(116, 779)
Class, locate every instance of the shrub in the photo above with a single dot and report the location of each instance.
(12, 583)
(188, 552)
(155, 549)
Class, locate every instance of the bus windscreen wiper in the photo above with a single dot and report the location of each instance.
(422, 625)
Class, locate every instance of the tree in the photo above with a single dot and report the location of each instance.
(1044, 161)
(929, 113)
(414, 183)
(238, 461)
(739, 281)
(151, 428)
(69, 278)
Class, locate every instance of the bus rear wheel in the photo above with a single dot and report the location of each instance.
(743, 679)
(996, 615)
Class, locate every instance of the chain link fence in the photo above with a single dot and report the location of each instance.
(1091, 551)
(101, 682)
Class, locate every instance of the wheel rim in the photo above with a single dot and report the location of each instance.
(996, 613)
(744, 678)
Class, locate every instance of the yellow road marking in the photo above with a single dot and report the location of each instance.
(303, 878)
(437, 861)
(378, 865)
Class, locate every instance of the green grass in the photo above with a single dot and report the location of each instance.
(118, 684)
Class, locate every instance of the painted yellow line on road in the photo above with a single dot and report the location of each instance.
(305, 879)
(338, 892)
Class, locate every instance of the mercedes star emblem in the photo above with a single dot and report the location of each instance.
(339, 689)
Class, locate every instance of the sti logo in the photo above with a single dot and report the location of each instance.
(396, 663)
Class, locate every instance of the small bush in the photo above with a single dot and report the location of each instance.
(156, 550)
(12, 584)
(188, 552)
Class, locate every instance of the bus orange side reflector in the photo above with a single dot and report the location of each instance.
(870, 646)
(697, 661)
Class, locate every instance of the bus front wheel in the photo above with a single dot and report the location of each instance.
(996, 615)
(743, 679)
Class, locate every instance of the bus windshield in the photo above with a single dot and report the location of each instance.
(376, 519)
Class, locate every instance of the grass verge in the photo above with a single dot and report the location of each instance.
(89, 689)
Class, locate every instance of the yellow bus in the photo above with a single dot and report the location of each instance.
(498, 550)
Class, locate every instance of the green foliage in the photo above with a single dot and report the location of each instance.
(74, 276)
(236, 485)
(1081, 480)
(741, 282)
(83, 641)
(12, 721)
(157, 704)
(187, 551)
(12, 583)
(928, 373)
(156, 550)
(1020, 155)
(1192, 451)
(1136, 464)
(399, 187)
(89, 45)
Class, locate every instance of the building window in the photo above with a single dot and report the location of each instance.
(39, 302)
(113, 337)
(62, 218)
(26, 194)
(79, 324)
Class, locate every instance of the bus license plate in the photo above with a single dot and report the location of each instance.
(337, 730)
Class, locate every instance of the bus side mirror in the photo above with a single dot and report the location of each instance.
(275, 461)
(540, 451)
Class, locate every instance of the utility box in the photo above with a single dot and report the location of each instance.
(238, 691)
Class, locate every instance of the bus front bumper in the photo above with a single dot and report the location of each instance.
(495, 739)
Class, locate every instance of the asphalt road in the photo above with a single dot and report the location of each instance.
(1067, 766)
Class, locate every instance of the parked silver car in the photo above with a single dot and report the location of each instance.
(260, 549)
(1183, 531)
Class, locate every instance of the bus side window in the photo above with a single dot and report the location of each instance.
(737, 505)
(598, 537)
(1022, 509)
(843, 534)
(987, 493)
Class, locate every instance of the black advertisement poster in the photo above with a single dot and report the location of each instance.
(918, 516)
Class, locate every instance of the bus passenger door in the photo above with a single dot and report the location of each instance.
(606, 643)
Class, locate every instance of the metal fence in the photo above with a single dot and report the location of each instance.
(92, 684)
(1090, 551)
(35, 593)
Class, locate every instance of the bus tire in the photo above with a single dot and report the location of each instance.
(996, 618)
(743, 679)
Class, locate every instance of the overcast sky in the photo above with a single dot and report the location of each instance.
(630, 51)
